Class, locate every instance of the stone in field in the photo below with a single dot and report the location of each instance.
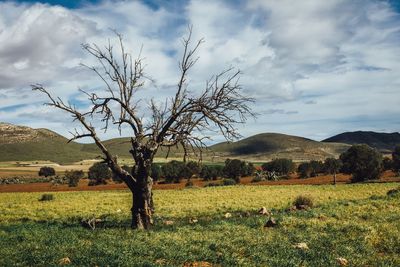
(193, 220)
(264, 211)
(228, 215)
(302, 246)
(342, 261)
(64, 261)
(168, 222)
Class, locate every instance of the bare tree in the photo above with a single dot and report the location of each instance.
(181, 120)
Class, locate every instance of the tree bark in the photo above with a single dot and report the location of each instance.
(334, 178)
(142, 200)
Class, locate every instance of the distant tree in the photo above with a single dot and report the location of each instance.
(211, 172)
(175, 171)
(396, 159)
(156, 172)
(99, 173)
(332, 166)
(73, 177)
(233, 169)
(305, 170)
(362, 162)
(194, 167)
(387, 164)
(280, 166)
(317, 167)
(47, 171)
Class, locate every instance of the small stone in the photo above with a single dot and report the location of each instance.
(64, 261)
(264, 211)
(342, 261)
(228, 215)
(302, 246)
(193, 220)
(270, 223)
(168, 222)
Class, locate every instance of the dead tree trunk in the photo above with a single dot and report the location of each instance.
(142, 197)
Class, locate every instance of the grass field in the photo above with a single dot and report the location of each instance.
(356, 222)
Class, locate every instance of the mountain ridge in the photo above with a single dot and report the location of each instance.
(381, 141)
(22, 143)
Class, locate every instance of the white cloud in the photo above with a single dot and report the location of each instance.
(340, 56)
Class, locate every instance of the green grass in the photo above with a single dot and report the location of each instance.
(356, 222)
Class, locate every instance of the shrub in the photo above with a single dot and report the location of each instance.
(249, 169)
(211, 172)
(156, 172)
(47, 171)
(99, 173)
(303, 201)
(387, 164)
(73, 177)
(229, 182)
(175, 171)
(194, 167)
(394, 192)
(281, 166)
(317, 167)
(396, 159)
(58, 180)
(362, 162)
(304, 170)
(235, 169)
(332, 165)
(46, 197)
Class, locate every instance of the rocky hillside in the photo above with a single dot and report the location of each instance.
(12, 134)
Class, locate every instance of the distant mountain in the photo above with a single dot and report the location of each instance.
(381, 141)
(275, 145)
(20, 143)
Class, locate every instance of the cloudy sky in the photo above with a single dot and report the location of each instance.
(316, 68)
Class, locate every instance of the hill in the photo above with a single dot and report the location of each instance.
(21, 143)
(275, 145)
(380, 141)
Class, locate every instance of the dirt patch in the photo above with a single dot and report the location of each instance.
(83, 184)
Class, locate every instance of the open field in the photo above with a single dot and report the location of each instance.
(357, 222)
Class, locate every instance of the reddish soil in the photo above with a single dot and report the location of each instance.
(320, 180)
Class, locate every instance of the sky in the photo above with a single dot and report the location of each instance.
(316, 68)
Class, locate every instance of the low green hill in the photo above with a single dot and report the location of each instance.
(275, 145)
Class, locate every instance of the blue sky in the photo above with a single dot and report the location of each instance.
(316, 68)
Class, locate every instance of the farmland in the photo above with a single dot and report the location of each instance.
(358, 222)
